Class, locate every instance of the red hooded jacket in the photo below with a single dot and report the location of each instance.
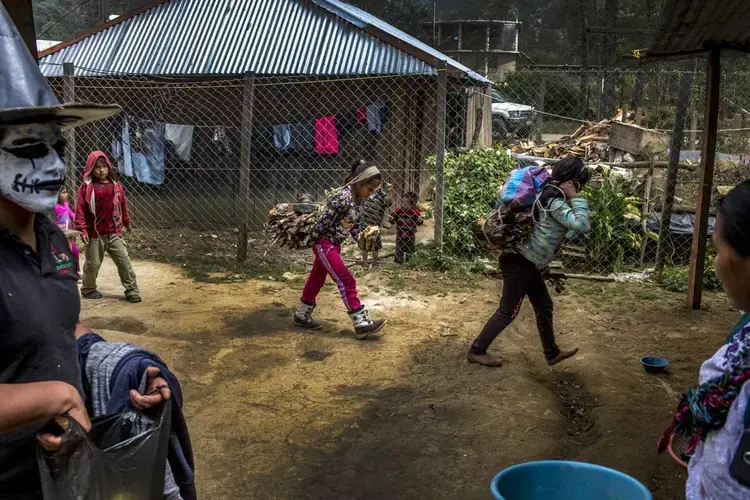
(86, 202)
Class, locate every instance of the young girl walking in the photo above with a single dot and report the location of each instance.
(338, 221)
(558, 210)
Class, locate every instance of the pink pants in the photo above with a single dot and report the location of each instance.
(328, 262)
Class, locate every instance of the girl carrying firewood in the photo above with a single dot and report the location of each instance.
(558, 210)
(339, 220)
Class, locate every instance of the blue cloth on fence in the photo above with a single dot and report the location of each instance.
(141, 155)
(148, 156)
(127, 374)
(282, 137)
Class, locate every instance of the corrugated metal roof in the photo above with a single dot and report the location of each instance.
(689, 27)
(362, 19)
(234, 37)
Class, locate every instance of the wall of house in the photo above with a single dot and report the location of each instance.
(203, 192)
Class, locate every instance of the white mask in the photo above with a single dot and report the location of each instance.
(32, 171)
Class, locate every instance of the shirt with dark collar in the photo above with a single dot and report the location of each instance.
(39, 308)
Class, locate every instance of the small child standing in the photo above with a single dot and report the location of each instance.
(406, 218)
(64, 218)
(101, 217)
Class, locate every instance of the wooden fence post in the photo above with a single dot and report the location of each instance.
(540, 109)
(708, 153)
(670, 182)
(69, 96)
(248, 103)
(442, 92)
(694, 129)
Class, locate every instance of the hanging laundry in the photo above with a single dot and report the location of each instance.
(121, 150)
(326, 136)
(361, 115)
(377, 116)
(303, 137)
(282, 137)
(147, 151)
(181, 136)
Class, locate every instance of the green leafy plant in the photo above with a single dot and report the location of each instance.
(676, 278)
(612, 235)
(472, 180)
(429, 258)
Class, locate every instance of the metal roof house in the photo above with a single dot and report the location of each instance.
(235, 69)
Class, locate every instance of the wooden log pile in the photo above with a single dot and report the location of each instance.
(291, 224)
(590, 143)
(505, 228)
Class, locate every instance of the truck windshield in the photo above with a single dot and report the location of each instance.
(499, 97)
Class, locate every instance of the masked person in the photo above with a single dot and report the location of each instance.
(39, 301)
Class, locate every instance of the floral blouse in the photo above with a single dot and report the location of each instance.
(339, 219)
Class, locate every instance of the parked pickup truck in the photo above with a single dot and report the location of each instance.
(509, 117)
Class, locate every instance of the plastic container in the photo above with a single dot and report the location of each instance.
(654, 364)
(559, 480)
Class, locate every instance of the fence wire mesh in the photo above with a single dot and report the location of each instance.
(203, 160)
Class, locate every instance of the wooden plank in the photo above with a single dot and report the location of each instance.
(670, 182)
(637, 140)
(69, 96)
(248, 104)
(22, 15)
(442, 89)
(708, 152)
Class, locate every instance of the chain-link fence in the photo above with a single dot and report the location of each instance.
(203, 160)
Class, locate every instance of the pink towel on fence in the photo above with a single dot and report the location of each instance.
(326, 136)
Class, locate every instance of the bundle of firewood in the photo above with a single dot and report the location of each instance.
(291, 224)
(590, 142)
(368, 238)
(505, 228)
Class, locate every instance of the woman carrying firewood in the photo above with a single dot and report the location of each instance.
(558, 210)
(340, 219)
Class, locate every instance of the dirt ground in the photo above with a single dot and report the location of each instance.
(275, 412)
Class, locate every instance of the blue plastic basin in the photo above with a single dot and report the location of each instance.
(654, 364)
(559, 480)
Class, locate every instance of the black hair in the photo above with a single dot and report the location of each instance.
(734, 209)
(359, 167)
(570, 168)
(412, 197)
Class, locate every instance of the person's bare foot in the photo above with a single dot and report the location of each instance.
(484, 359)
(562, 356)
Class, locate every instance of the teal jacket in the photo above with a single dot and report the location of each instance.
(554, 223)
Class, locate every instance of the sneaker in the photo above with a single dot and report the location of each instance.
(484, 359)
(303, 317)
(562, 356)
(364, 327)
(134, 299)
(96, 294)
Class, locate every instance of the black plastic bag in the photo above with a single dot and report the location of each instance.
(124, 457)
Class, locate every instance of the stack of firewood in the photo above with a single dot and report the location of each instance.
(505, 228)
(590, 143)
(291, 224)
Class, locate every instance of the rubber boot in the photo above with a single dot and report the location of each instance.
(363, 325)
(303, 317)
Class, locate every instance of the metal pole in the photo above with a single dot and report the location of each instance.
(248, 104)
(708, 153)
(442, 92)
(670, 183)
(69, 96)
(540, 108)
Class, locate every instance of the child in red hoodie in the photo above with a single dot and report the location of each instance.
(101, 217)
